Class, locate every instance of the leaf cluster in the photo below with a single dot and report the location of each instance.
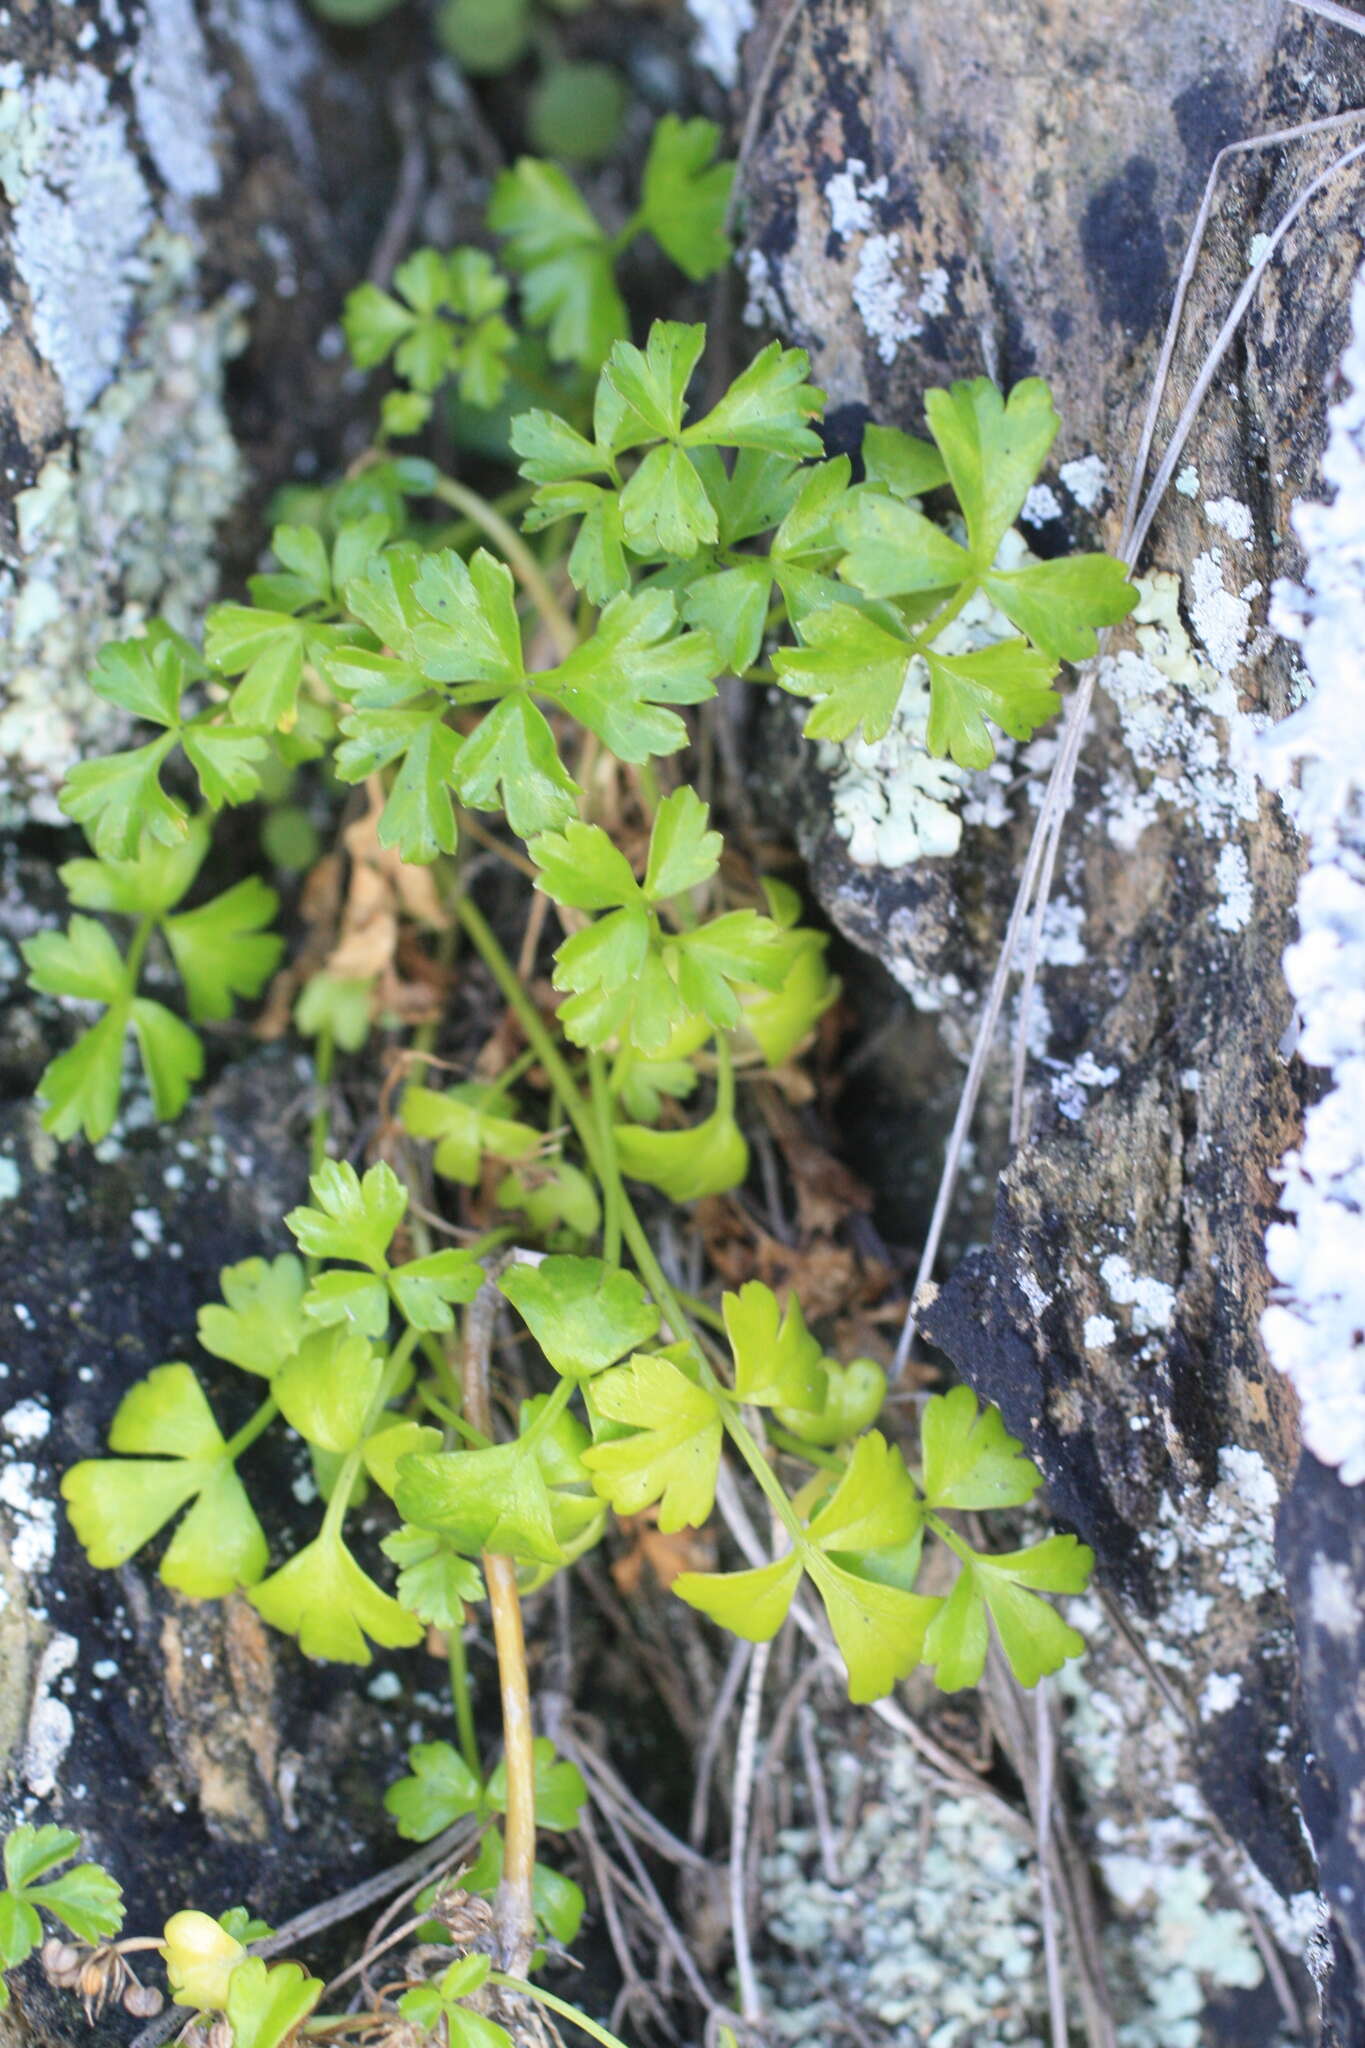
(85, 1900)
(220, 950)
(318, 1339)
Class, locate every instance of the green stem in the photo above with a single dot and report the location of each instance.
(251, 1429)
(485, 944)
(810, 1454)
(611, 1190)
(725, 1077)
(461, 531)
(132, 966)
(554, 1407)
(702, 1312)
(961, 597)
(320, 1129)
(622, 240)
(461, 1700)
(520, 560)
(451, 1419)
(341, 1493)
(559, 2005)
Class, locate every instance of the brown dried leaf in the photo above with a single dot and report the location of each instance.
(688, 1550)
(826, 1190)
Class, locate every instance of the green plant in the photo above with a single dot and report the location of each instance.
(467, 667)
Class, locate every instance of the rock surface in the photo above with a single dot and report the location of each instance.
(1009, 188)
(178, 220)
(198, 1756)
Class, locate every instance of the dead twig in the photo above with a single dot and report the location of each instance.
(750, 1997)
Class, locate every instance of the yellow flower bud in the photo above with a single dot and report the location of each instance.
(200, 1958)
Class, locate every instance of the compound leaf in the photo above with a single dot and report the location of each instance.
(894, 551)
(674, 1452)
(565, 261)
(355, 1219)
(768, 406)
(683, 853)
(324, 1599)
(425, 1288)
(513, 748)
(776, 1358)
(434, 1582)
(466, 1126)
(992, 449)
(80, 1088)
(221, 951)
(616, 682)
(900, 463)
(582, 867)
(1059, 605)
(172, 1055)
(685, 195)
(1007, 682)
(326, 1389)
(560, 1791)
(267, 2003)
(752, 1604)
(176, 1454)
(119, 797)
(969, 1458)
(260, 1321)
(708, 1159)
(853, 665)
(439, 1789)
(583, 1314)
(880, 1630)
(874, 1506)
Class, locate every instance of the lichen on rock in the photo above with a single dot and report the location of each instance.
(119, 524)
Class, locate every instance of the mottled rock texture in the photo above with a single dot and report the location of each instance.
(185, 192)
(1008, 185)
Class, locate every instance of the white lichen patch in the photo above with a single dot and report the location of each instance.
(721, 28)
(1071, 1084)
(763, 303)
(118, 525)
(27, 1422)
(1041, 505)
(1231, 515)
(51, 1725)
(934, 288)
(890, 799)
(1333, 1599)
(1219, 1694)
(1222, 617)
(1172, 1942)
(880, 291)
(1087, 479)
(80, 212)
(1192, 746)
(931, 1933)
(1315, 1330)
(1228, 1533)
(1099, 1333)
(32, 1517)
(176, 94)
(1151, 1300)
(1187, 482)
(9, 1179)
(1235, 897)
